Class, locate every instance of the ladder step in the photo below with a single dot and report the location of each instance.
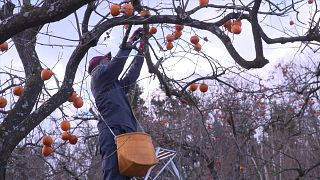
(163, 155)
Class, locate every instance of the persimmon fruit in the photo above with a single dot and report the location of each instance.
(179, 27)
(193, 87)
(236, 29)
(128, 9)
(73, 96)
(203, 2)
(18, 90)
(194, 39)
(46, 150)
(73, 139)
(227, 24)
(65, 125)
(47, 140)
(177, 34)
(197, 47)
(170, 38)
(3, 102)
(203, 87)
(4, 46)
(115, 9)
(65, 136)
(46, 74)
(169, 45)
(237, 22)
(78, 102)
(153, 30)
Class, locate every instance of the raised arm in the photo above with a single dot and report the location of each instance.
(133, 73)
(110, 71)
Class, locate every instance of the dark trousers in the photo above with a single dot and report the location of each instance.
(109, 154)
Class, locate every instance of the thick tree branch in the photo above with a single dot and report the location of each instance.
(87, 16)
(25, 45)
(38, 16)
(255, 31)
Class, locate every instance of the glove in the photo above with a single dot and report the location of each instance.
(136, 35)
(141, 46)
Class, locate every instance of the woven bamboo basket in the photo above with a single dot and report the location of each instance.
(136, 154)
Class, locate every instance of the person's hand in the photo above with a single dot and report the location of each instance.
(141, 45)
(136, 35)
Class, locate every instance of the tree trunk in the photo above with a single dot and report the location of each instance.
(95, 170)
(7, 145)
(213, 172)
(254, 162)
(266, 173)
(3, 166)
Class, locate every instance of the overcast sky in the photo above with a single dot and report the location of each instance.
(55, 52)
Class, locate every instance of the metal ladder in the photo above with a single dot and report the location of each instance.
(165, 156)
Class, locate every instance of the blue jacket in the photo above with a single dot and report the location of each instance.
(110, 93)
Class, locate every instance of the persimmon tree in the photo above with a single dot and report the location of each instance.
(24, 22)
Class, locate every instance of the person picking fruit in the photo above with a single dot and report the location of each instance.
(112, 102)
